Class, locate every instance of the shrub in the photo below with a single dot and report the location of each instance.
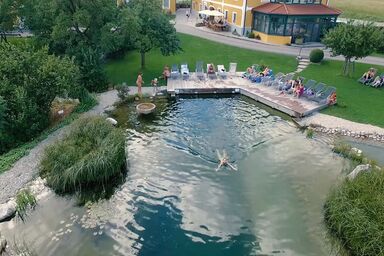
(257, 37)
(316, 56)
(91, 155)
(122, 91)
(354, 213)
(251, 35)
(310, 133)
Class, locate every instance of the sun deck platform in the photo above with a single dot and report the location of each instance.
(235, 84)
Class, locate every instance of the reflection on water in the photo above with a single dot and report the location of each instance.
(173, 202)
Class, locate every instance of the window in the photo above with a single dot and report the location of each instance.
(226, 14)
(234, 15)
(166, 4)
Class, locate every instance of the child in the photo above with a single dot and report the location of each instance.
(154, 84)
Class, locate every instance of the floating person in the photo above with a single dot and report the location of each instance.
(224, 161)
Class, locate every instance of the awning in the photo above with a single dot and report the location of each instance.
(296, 9)
(211, 13)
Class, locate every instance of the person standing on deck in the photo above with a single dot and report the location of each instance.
(139, 82)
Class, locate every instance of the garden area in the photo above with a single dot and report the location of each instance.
(356, 102)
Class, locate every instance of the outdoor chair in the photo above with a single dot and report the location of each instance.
(274, 79)
(378, 84)
(283, 82)
(184, 71)
(322, 97)
(232, 69)
(221, 71)
(199, 70)
(309, 84)
(211, 75)
(266, 79)
(175, 73)
(256, 68)
(316, 90)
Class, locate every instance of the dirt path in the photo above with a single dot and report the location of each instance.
(26, 168)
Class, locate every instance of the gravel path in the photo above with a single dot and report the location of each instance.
(26, 168)
(343, 126)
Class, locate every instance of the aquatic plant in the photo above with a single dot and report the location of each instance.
(351, 153)
(90, 156)
(24, 200)
(310, 133)
(354, 214)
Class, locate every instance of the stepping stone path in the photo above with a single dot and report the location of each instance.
(303, 63)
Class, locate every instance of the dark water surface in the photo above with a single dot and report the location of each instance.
(173, 202)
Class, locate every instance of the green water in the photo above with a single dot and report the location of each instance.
(173, 202)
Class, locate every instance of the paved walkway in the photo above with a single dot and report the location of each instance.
(188, 27)
(26, 168)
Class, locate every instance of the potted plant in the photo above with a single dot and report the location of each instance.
(299, 39)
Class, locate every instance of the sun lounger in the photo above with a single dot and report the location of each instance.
(309, 84)
(256, 68)
(317, 89)
(322, 97)
(211, 75)
(184, 71)
(221, 71)
(175, 71)
(199, 70)
(274, 79)
(285, 79)
(232, 69)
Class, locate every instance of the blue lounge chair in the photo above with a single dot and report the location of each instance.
(317, 89)
(199, 70)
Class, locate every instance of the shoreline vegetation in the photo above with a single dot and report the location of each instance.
(354, 209)
(8, 159)
(87, 161)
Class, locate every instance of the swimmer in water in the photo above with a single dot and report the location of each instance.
(224, 161)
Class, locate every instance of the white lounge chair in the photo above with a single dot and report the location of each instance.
(221, 71)
(175, 72)
(184, 71)
(232, 69)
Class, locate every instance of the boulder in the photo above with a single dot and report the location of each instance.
(7, 210)
(3, 244)
(111, 120)
(357, 170)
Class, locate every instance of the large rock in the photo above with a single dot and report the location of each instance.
(357, 170)
(7, 210)
(111, 120)
(3, 244)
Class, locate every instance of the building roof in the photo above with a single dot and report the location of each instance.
(296, 9)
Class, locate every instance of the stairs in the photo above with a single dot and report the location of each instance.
(303, 63)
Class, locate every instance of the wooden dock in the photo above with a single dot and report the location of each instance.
(235, 84)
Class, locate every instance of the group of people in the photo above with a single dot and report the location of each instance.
(255, 75)
(370, 78)
(294, 86)
(154, 82)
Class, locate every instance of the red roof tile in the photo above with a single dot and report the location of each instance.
(296, 9)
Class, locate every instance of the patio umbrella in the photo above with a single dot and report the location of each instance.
(211, 13)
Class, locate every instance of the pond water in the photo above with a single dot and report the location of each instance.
(173, 202)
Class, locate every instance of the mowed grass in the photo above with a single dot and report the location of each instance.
(356, 102)
(194, 49)
(372, 10)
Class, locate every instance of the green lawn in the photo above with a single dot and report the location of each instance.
(360, 9)
(126, 69)
(357, 102)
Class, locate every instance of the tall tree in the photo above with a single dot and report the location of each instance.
(87, 30)
(353, 41)
(155, 29)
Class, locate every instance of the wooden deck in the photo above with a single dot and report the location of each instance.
(237, 85)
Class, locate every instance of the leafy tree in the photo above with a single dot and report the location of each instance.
(155, 29)
(31, 79)
(353, 41)
(86, 30)
(9, 10)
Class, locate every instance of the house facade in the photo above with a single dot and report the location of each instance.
(169, 6)
(275, 21)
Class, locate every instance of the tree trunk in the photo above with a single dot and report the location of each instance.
(3, 37)
(142, 59)
(347, 66)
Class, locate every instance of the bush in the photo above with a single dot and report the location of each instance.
(251, 35)
(90, 156)
(316, 56)
(30, 80)
(354, 213)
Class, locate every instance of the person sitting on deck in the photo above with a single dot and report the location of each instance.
(288, 86)
(248, 73)
(265, 72)
(299, 90)
(332, 99)
(211, 69)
